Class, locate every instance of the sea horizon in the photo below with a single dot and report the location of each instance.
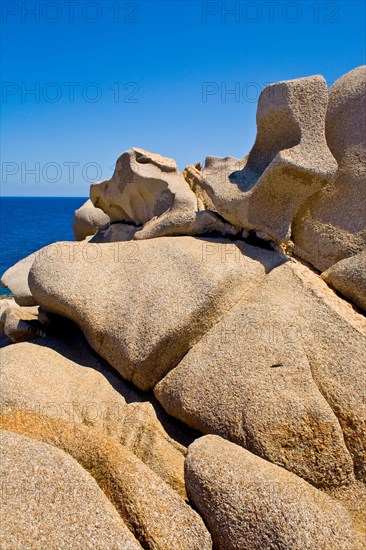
(24, 229)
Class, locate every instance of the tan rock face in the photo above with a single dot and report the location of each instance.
(16, 280)
(235, 340)
(249, 503)
(194, 176)
(331, 225)
(204, 222)
(289, 162)
(116, 232)
(65, 380)
(279, 375)
(62, 394)
(147, 190)
(127, 198)
(20, 324)
(50, 501)
(156, 515)
(348, 277)
(87, 220)
(143, 305)
(145, 186)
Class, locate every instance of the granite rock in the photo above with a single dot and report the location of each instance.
(282, 375)
(289, 161)
(64, 380)
(88, 220)
(331, 225)
(348, 277)
(50, 501)
(249, 503)
(156, 298)
(157, 516)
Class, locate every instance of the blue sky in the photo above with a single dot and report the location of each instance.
(110, 75)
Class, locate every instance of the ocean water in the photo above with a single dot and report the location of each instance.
(29, 223)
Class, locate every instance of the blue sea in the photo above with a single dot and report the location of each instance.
(29, 223)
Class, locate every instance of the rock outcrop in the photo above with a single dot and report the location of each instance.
(88, 220)
(157, 516)
(200, 288)
(249, 503)
(148, 191)
(143, 187)
(194, 176)
(289, 162)
(155, 298)
(50, 501)
(348, 277)
(279, 375)
(331, 225)
(65, 380)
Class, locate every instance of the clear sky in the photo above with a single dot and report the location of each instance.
(83, 81)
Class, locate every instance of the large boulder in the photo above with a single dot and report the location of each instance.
(249, 503)
(143, 186)
(157, 516)
(289, 162)
(331, 225)
(282, 375)
(87, 220)
(16, 280)
(65, 380)
(348, 277)
(143, 305)
(148, 191)
(49, 501)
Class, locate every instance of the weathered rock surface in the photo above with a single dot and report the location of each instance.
(348, 277)
(202, 223)
(194, 176)
(144, 185)
(353, 498)
(148, 191)
(289, 162)
(116, 232)
(156, 515)
(205, 222)
(249, 503)
(142, 308)
(282, 375)
(20, 324)
(65, 380)
(331, 225)
(16, 280)
(237, 340)
(50, 501)
(87, 220)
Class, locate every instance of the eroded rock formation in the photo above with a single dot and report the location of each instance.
(176, 316)
(331, 224)
(289, 162)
